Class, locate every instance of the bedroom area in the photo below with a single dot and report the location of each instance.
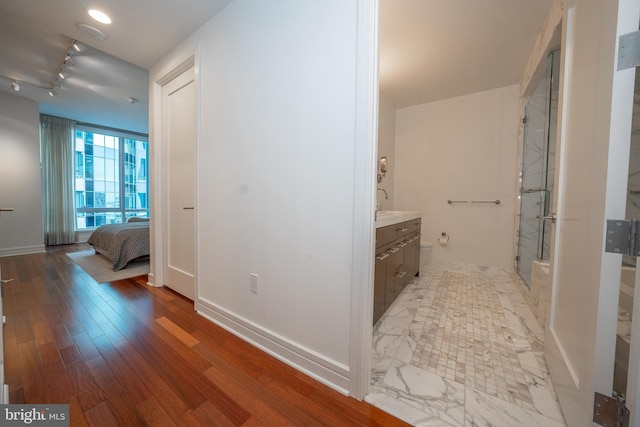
(75, 138)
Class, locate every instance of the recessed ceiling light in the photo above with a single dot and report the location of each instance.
(99, 16)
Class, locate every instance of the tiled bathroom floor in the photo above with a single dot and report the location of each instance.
(460, 347)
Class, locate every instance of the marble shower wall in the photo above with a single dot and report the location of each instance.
(532, 167)
(538, 168)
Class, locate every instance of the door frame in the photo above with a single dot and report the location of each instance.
(157, 166)
(576, 378)
(364, 193)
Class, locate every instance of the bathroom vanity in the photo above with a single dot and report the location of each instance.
(397, 258)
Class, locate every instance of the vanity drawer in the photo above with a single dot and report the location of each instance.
(386, 235)
(402, 229)
(414, 224)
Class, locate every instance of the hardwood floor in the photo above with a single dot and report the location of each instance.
(125, 354)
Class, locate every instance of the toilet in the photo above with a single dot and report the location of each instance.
(425, 253)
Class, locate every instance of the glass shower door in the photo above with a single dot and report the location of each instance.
(537, 171)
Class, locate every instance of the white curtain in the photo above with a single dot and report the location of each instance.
(57, 146)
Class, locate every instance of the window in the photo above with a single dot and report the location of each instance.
(111, 173)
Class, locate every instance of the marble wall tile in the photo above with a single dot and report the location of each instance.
(538, 297)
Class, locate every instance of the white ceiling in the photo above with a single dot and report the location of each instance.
(429, 50)
(35, 36)
(438, 49)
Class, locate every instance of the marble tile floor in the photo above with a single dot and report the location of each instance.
(460, 347)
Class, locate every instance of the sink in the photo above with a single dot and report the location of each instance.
(389, 213)
(384, 218)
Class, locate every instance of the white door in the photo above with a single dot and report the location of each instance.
(591, 178)
(179, 136)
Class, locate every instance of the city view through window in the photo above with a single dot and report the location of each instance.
(111, 179)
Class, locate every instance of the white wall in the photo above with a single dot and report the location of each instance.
(276, 176)
(20, 186)
(386, 147)
(462, 148)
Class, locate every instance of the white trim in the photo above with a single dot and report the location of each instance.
(151, 281)
(156, 187)
(196, 191)
(567, 362)
(156, 167)
(322, 369)
(118, 133)
(177, 69)
(83, 235)
(24, 250)
(563, 95)
(364, 198)
(620, 131)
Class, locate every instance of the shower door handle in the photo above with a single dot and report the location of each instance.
(553, 218)
(533, 190)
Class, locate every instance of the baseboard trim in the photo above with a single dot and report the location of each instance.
(83, 236)
(25, 250)
(328, 372)
(151, 280)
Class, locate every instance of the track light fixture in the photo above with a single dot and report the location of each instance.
(17, 84)
(63, 70)
(78, 47)
(61, 74)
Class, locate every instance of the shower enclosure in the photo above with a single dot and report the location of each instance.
(537, 169)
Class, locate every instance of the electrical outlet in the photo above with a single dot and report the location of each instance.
(253, 283)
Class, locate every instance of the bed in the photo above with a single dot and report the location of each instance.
(122, 243)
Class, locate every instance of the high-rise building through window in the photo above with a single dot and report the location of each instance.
(111, 172)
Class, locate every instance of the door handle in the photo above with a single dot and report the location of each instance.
(188, 208)
(2, 282)
(382, 256)
(553, 218)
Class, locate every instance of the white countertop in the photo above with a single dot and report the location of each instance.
(393, 217)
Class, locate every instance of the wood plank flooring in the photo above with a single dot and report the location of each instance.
(126, 354)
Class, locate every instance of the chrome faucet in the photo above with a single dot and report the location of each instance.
(379, 205)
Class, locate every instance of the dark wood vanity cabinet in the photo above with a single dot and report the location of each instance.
(379, 291)
(397, 262)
